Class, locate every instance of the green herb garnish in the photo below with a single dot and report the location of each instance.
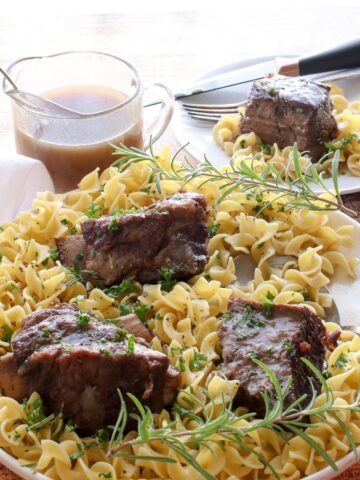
(289, 193)
(267, 303)
(46, 332)
(213, 229)
(289, 347)
(6, 333)
(124, 288)
(83, 319)
(130, 345)
(351, 137)
(265, 148)
(120, 334)
(142, 311)
(113, 225)
(95, 209)
(341, 361)
(119, 212)
(198, 361)
(168, 281)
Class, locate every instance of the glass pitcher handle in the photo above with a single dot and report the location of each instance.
(157, 127)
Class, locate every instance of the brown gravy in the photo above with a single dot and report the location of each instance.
(66, 158)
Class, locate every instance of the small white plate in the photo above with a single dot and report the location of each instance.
(346, 293)
(199, 133)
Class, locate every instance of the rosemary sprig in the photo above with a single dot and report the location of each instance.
(228, 427)
(289, 193)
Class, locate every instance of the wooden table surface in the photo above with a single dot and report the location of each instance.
(175, 48)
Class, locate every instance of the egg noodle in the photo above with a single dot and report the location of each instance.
(240, 147)
(184, 323)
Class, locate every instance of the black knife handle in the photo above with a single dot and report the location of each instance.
(342, 56)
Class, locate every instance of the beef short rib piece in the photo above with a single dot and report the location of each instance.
(171, 234)
(280, 341)
(77, 363)
(286, 110)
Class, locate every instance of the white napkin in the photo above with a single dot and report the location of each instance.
(20, 179)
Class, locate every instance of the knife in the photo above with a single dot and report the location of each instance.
(237, 83)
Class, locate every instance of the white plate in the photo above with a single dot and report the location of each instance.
(199, 133)
(346, 293)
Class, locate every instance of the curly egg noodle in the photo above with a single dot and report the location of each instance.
(243, 147)
(184, 325)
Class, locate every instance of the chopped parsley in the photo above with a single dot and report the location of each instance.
(306, 296)
(341, 361)
(124, 288)
(113, 225)
(119, 212)
(267, 303)
(120, 334)
(83, 319)
(95, 210)
(243, 143)
(16, 436)
(54, 254)
(71, 426)
(34, 411)
(213, 229)
(46, 332)
(182, 366)
(6, 333)
(168, 281)
(265, 148)
(105, 475)
(289, 347)
(73, 230)
(332, 147)
(105, 351)
(198, 361)
(102, 436)
(130, 345)
(125, 308)
(142, 311)
(251, 354)
(13, 287)
(250, 319)
(64, 221)
(79, 453)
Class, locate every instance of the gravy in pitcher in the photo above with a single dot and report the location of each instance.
(70, 153)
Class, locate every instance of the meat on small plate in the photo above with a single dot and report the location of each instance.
(279, 339)
(77, 363)
(171, 234)
(286, 110)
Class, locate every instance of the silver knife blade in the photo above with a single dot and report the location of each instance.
(224, 83)
(226, 86)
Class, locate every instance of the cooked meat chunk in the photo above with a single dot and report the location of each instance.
(133, 325)
(77, 363)
(286, 110)
(280, 341)
(171, 234)
(11, 384)
(72, 252)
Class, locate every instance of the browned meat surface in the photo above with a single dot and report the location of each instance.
(134, 325)
(71, 251)
(291, 332)
(286, 110)
(11, 385)
(77, 363)
(171, 234)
